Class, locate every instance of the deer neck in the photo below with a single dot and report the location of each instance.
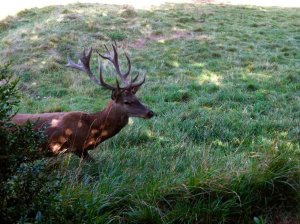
(110, 120)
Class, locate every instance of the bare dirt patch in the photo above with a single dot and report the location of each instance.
(174, 35)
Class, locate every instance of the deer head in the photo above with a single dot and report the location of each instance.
(122, 95)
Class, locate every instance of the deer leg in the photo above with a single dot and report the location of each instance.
(87, 156)
(84, 155)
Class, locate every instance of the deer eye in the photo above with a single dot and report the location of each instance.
(127, 102)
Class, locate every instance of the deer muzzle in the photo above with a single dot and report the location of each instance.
(149, 114)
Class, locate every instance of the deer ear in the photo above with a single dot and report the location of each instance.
(115, 94)
(135, 89)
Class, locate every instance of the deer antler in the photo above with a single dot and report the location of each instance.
(114, 59)
(84, 65)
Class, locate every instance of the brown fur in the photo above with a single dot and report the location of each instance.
(77, 132)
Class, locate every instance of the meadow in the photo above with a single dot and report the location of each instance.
(225, 84)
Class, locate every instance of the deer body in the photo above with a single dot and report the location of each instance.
(79, 132)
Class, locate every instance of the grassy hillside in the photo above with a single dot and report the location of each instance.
(225, 83)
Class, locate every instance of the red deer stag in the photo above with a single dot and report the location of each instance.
(79, 132)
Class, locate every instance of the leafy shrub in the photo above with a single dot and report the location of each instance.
(18, 143)
(24, 176)
(27, 193)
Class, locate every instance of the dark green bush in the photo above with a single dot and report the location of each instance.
(25, 178)
(18, 143)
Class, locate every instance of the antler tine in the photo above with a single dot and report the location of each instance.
(133, 85)
(103, 56)
(116, 60)
(118, 85)
(115, 47)
(129, 66)
(83, 65)
(135, 78)
(102, 83)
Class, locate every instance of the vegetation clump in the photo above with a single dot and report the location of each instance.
(128, 12)
(26, 179)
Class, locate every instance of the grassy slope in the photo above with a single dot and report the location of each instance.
(225, 82)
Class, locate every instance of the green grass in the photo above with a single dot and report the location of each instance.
(225, 83)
